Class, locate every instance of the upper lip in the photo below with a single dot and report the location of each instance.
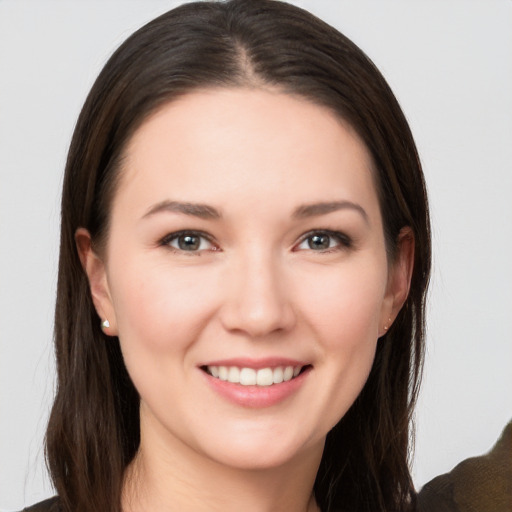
(256, 364)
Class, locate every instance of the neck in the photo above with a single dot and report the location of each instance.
(169, 477)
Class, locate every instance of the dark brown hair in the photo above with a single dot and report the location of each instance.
(93, 432)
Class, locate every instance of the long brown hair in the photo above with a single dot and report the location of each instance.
(93, 431)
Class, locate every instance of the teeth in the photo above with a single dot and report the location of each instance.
(247, 377)
(278, 375)
(288, 373)
(265, 377)
(251, 377)
(233, 374)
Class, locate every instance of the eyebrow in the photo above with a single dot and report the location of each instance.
(202, 211)
(205, 211)
(316, 209)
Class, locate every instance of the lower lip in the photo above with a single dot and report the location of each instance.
(256, 396)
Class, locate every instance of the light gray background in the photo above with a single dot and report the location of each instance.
(450, 64)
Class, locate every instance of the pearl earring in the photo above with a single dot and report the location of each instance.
(105, 324)
(386, 327)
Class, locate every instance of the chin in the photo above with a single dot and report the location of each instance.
(270, 451)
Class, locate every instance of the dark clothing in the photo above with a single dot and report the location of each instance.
(478, 484)
(50, 505)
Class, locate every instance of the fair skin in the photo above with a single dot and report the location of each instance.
(282, 264)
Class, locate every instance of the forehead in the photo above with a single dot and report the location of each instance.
(221, 144)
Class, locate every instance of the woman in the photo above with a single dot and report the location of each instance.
(244, 258)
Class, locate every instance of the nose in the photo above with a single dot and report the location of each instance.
(257, 299)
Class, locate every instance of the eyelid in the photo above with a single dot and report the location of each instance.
(344, 241)
(170, 237)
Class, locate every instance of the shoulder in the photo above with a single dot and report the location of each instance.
(49, 505)
(478, 483)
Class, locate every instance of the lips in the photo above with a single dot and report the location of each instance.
(256, 383)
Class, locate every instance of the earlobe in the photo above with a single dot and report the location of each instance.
(399, 280)
(94, 267)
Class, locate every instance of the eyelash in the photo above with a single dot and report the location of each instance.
(171, 237)
(343, 241)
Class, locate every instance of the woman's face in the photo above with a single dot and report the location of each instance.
(246, 243)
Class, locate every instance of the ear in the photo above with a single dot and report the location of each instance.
(94, 267)
(399, 280)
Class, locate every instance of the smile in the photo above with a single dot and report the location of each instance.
(252, 377)
(256, 383)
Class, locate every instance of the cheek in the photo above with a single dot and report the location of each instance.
(342, 309)
(345, 306)
(158, 307)
(160, 313)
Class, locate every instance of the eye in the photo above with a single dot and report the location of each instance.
(188, 241)
(324, 241)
